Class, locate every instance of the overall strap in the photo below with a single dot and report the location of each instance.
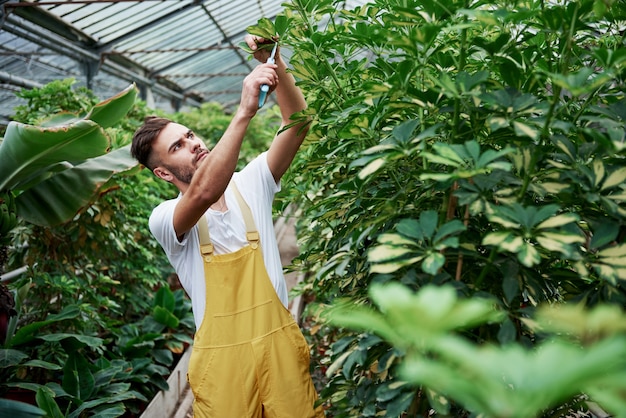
(206, 248)
(252, 235)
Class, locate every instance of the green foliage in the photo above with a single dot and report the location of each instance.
(56, 97)
(67, 151)
(488, 379)
(267, 29)
(20, 409)
(105, 266)
(416, 241)
(84, 384)
(474, 144)
(76, 372)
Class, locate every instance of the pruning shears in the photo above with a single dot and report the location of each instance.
(265, 88)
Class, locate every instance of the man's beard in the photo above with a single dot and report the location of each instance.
(183, 175)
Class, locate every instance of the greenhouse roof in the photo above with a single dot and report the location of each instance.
(180, 53)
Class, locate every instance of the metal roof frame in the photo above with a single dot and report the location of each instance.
(180, 53)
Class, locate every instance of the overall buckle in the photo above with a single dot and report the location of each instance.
(253, 238)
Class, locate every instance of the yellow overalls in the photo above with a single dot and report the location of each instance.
(249, 356)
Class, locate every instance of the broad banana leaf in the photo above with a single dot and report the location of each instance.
(58, 168)
(27, 149)
(110, 111)
(60, 197)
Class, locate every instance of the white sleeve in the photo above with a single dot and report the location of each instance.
(183, 255)
(161, 225)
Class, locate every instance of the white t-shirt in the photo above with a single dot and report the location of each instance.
(227, 231)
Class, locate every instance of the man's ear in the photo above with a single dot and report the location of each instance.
(163, 173)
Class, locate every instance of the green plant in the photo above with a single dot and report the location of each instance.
(73, 374)
(15, 354)
(487, 379)
(474, 144)
(56, 97)
(83, 386)
(66, 151)
(82, 264)
(163, 333)
(21, 409)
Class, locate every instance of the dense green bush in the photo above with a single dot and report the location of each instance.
(477, 145)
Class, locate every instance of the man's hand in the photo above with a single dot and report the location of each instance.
(262, 74)
(261, 54)
(290, 101)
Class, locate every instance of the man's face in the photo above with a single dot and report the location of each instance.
(178, 152)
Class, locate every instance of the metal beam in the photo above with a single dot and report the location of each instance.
(231, 45)
(65, 48)
(18, 81)
(47, 20)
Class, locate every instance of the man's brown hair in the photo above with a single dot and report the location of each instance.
(143, 138)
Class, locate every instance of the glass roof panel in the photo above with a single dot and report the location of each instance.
(185, 51)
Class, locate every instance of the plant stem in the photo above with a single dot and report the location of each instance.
(483, 272)
(459, 263)
(457, 101)
(556, 95)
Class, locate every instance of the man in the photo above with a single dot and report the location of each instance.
(249, 357)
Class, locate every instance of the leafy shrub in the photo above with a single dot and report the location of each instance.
(478, 145)
(58, 96)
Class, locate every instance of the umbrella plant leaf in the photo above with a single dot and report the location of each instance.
(382, 253)
(615, 178)
(428, 223)
(528, 255)
(432, 263)
(559, 220)
(410, 228)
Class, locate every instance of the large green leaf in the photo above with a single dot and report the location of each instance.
(165, 299)
(45, 400)
(49, 167)
(15, 409)
(27, 149)
(77, 377)
(49, 203)
(165, 317)
(110, 111)
(10, 357)
(488, 379)
(29, 332)
(84, 339)
(113, 400)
